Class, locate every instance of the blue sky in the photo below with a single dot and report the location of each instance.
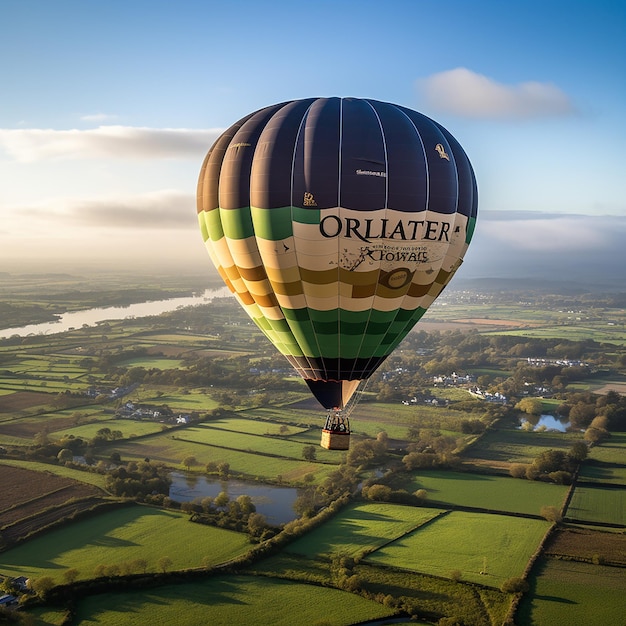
(108, 108)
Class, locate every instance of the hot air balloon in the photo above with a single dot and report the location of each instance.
(336, 222)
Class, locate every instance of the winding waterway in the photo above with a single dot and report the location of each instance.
(92, 317)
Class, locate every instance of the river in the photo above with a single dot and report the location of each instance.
(92, 317)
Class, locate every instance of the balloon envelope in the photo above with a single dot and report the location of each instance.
(336, 222)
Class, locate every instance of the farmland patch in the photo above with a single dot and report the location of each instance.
(360, 529)
(566, 592)
(486, 491)
(121, 536)
(588, 545)
(227, 600)
(604, 505)
(469, 543)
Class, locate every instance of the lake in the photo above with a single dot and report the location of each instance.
(92, 317)
(275, 503)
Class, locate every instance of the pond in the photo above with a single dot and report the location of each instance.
(275, 503)
(538, 423)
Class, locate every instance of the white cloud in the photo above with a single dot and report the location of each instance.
(465, 93)
(119, 142)
(98, 117)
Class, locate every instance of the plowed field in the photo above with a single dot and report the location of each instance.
(32, 500)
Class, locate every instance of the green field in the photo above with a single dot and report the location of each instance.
(606, 505)
(253, 426)
(470, 543)
(121, 536)
(360, 529)
(159, 363)
(504, 445)
(128, 428)
(485, 491)
(576, 594)
(608, 473)
(228, 600)
(163, 448)
(279, 446)
(611, 450)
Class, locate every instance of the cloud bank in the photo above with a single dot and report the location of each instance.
(468, 94)
(119, 142)
(165, 209)
(548, 246)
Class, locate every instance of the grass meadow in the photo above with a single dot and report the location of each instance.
(206, 434)
(573, 593)
(163, 448)
(228, 600)
(504, 445)
(487, 491)
(606, 505)
(122, 536)
(469, 543)
(128, 428)
(360, 529)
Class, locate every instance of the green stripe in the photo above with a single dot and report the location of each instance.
(306, 216)
(211, 224)
(237, 223)
(302, 330)
(272, 224)
(471, 225)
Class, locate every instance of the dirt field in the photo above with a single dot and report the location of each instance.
(21, 400)
(28, 427)
(584, 544)
(32, 500)
(619, 387)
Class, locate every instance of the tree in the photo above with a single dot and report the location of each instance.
(309, 453)
(41, 586)
(189, 461)
(70, 575)
(518, 470)
(380, 493)
(65, 455)
(164, 563)
(551, 513)
(256, 524)
(579, 451)
(514, 585)
(421, 494)
(223, 469)
(532, 406)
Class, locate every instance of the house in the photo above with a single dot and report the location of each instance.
(8, 600)
(21, 582)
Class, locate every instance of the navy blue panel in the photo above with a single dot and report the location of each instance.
(327, 393)
(270, 181)
(363, 162)
(468, 196)
(316, 164)
(406, 169)
(442, 179)
(234, 184)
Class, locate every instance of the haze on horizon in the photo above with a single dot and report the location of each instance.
(108, 111)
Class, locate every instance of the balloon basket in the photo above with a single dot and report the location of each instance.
(335, 441)
(336, 432)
